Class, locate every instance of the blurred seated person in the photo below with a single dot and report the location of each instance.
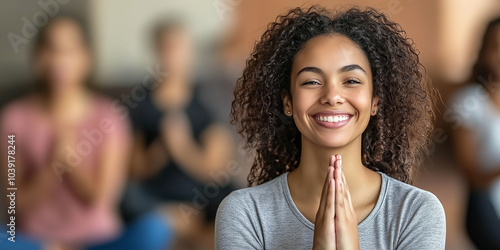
(179, 149)
(71, 148)
(477, 141)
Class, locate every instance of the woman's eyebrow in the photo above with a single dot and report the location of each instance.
(341, 70)
(351, 67)
(310, 69)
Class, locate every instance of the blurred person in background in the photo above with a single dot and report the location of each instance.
(178, 148)
(72, 149)
(219, 78)
(216, 92)
(477, 141)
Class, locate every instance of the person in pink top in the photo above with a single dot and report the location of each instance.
(71, 148)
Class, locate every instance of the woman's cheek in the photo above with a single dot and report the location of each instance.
(301, 103)
(361, 101)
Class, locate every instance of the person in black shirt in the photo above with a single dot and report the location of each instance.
(179, 147)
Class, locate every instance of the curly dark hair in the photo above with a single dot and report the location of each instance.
(395, 138)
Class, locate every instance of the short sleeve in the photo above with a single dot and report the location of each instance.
(114, 123)
(426, 225)
(123, 130)
(13, 121)
(234, 225)
(466, 108)
(11, 118)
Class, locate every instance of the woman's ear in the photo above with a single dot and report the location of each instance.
(287, 103)
(375, 105)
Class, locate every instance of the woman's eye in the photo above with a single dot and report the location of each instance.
(352, 81)
(310, 83)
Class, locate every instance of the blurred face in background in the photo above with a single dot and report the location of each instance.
(62, 58)
(491, 55)
(175, 50)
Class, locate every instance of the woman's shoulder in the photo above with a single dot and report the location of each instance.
(416, 214)
(19, 108)
(22, 102)
(102, 100)
(413, 204)
(469, 107)
(251, 198)
(411, 194)
(262, 191)
(106, 106)
(468, 97)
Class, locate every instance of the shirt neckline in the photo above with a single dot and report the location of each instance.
(306, 222)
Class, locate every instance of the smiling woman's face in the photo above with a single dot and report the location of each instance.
(331, 88)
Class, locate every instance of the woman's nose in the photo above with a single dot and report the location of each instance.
(332, 95)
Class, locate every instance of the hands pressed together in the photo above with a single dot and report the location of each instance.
(336, 225)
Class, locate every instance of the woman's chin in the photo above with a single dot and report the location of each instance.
(332, 142)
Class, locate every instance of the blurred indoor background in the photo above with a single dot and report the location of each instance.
(129, 43)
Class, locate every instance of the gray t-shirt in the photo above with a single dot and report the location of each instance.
(265, 217)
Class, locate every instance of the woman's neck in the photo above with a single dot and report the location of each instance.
(311, 172)
(314, 162)
(65, 98)
(66, 107)
(306, 181)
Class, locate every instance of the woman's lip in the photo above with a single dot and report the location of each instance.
(332, 124)
(331, 113)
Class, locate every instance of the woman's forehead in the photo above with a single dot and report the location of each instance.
(330, 52)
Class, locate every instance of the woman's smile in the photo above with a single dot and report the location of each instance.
(332, 119)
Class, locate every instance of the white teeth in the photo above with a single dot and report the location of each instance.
(337, 118)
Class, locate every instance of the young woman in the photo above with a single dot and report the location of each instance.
(71, 148)
(478, 141)
(338, 111)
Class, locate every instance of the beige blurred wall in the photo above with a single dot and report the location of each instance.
(418, 18)
(461, 28)
(123, 33)
(447, 32)
(15, 16)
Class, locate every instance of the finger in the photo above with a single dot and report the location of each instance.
(347, 192)
(329, 213)
(342, 174)
(339, 195)
(332, 160)
(330, 163)
(324, 194)
(329, 175)
(346, 186)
